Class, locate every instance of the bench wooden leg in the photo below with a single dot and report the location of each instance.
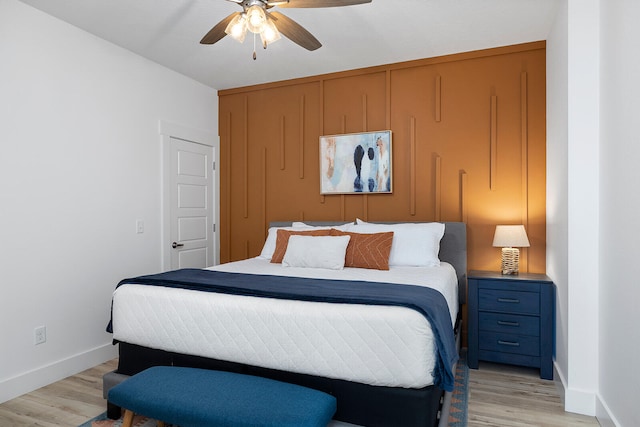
(127, 421)
(128, 418)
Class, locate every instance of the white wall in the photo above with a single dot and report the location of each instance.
(593, 206)
(557, 182)
(80, 163)
(573, 95)
(583, 203)
(619, 375)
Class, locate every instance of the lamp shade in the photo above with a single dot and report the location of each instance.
(237, 28)
(256, 19)
(269, 33)
(510, 236)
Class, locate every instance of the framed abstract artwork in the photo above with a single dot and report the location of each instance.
(356, 163)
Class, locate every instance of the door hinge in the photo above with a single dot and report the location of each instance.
(214, 228)
(214, 165)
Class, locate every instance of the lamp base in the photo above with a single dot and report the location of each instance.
(510, 260)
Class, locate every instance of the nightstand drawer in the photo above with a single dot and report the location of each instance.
(509, 323)
(509, 301)
(509, 343)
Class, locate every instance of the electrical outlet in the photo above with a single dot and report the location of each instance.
(40, 335)
(139, 226)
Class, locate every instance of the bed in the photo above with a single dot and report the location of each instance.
(385, 361)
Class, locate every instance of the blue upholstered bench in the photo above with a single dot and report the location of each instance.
(191, 397)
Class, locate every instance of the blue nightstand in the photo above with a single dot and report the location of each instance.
(511, 320)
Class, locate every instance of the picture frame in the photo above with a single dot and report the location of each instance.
(356, 163)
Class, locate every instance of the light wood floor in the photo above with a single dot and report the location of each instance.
(502, 395)
(67, 403)
(498, 396)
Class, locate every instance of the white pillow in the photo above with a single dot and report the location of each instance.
(415, 245)
(270, 244)
(316, 252)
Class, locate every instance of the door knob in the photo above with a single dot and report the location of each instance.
(176, 245)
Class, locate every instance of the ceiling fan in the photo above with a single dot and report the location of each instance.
(257, 18)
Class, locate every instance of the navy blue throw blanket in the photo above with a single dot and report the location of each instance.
(429, 302)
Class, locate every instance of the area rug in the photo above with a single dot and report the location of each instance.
(460, 396)
(103, 421)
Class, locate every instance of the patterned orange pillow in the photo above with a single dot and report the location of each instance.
(282, 241)
(367, 250)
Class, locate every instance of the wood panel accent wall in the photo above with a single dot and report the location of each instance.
(468, 145)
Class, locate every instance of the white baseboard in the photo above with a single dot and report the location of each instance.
(40, 377)
(604, 415)
(602, 411)
(574, 400)
(580, 402)
(559, 381)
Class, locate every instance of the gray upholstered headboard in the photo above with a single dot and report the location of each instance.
(453, 248)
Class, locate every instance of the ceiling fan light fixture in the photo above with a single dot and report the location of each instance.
(256, 19)
(237, 28)
(269, 33)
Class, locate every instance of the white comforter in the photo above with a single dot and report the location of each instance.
(376, 345)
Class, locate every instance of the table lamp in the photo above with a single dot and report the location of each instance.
(510, 238)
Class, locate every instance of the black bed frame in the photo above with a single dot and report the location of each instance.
(358, 403)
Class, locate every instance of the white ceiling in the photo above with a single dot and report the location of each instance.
(385, 31)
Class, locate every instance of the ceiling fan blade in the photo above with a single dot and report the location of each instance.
(295, 32)
(322, 3)
(217, 32)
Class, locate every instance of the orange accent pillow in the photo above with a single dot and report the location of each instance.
(282, 241)
(367, 250)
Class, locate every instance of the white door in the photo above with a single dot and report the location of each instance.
(191, 204)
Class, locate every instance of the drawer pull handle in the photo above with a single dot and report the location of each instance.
(505, 323)
(509, 300)
(509, 343)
